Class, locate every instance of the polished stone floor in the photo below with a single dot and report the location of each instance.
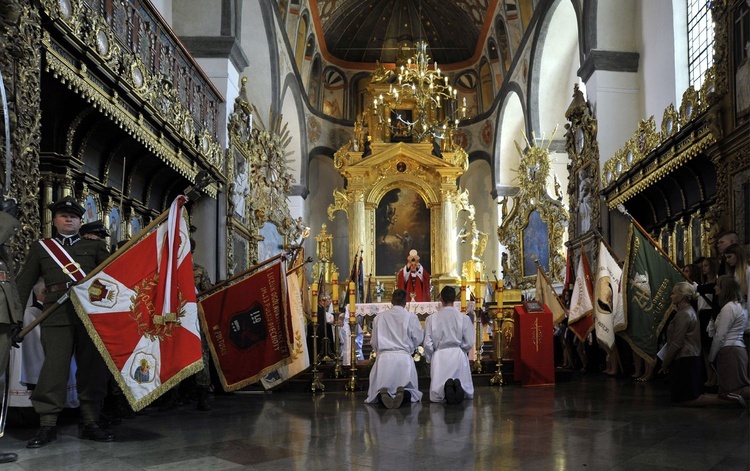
(591, 422)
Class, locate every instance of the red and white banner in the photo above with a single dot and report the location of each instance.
(580, 314)
(141, 312)
(249, 327)
(608, 299)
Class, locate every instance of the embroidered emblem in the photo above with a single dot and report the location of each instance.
(143, 364)
(151, 325)
(103, 293)
(246, 328)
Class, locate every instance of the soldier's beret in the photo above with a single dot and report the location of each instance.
(68, 204)
(94, 227)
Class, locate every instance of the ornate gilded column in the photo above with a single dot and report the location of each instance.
(444, 217)
(21, 43)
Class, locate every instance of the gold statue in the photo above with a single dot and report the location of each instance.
(478, 241)
(324, 249)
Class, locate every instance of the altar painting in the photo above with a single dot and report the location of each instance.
(402, 223)
(535, 244)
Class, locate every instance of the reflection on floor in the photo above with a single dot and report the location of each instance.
(591, 422)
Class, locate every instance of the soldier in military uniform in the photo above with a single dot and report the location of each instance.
(63, 333)
(10, 305)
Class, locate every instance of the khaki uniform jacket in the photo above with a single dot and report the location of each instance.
(10, 304)
(88, 253)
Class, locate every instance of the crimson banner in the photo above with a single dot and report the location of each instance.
(249, 327)
(140, 310)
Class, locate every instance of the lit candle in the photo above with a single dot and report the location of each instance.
(335, 288)
(499, 293)
(314, 305)
(463, 294)
(464, 102)
(352, 303)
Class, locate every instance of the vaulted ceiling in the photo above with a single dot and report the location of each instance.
(366, 31)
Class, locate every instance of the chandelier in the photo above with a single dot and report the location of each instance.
(436, 111)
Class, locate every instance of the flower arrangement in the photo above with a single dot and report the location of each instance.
(418, 354)
(379, 289)
(420, 361)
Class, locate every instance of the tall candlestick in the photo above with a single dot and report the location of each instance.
(352, 302)
(478, 293)
(499, 293)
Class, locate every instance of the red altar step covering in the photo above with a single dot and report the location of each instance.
(533, 361)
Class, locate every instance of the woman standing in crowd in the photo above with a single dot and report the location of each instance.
(727, 349)
(683, 349)
(707, 310)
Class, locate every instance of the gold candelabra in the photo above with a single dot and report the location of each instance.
(496, 335)
(419, 82)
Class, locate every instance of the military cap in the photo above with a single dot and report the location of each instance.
(94, 227)
(68, 204)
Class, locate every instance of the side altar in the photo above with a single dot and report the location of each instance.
(401, 197)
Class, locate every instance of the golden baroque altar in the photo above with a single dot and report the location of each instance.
(384, 224)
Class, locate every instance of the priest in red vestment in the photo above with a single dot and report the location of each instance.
(414, 279)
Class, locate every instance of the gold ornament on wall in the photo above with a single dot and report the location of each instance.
(537, 221)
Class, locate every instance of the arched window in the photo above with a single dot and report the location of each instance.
(495, 63)
(700, 41)
(485, 80)
(503, 44)
(299, 49)
(315, 82)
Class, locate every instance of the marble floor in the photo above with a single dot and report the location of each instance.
(591, 422)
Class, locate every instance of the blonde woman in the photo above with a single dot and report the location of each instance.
(682, 356)
(737, 266)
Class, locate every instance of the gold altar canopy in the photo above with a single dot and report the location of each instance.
(412, 168)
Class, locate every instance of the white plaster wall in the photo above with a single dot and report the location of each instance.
(165, 9)
(478, 180)
(657, 61)
(290, 118)
(324, 178)
(558, 68)
(255, 43)
(616, 25)
(511, 129)
(226, 79)
(679, 28)
(615, 97)
(197, 17)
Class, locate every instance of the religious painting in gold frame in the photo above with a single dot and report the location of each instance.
(402, 223)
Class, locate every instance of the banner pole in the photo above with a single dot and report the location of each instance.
(664, 254)
(47, 312)
(203, 294)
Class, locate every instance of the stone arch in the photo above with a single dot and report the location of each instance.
(299, 39)
(486, 88)
(314, 83)
(555, 61)
(493, 53)
(293, 111)
(510, 127)
(503, 44)
(334, 97)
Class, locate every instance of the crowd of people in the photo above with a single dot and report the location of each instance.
(704, 349)
(704, 345)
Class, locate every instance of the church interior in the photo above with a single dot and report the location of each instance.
(496, 139)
